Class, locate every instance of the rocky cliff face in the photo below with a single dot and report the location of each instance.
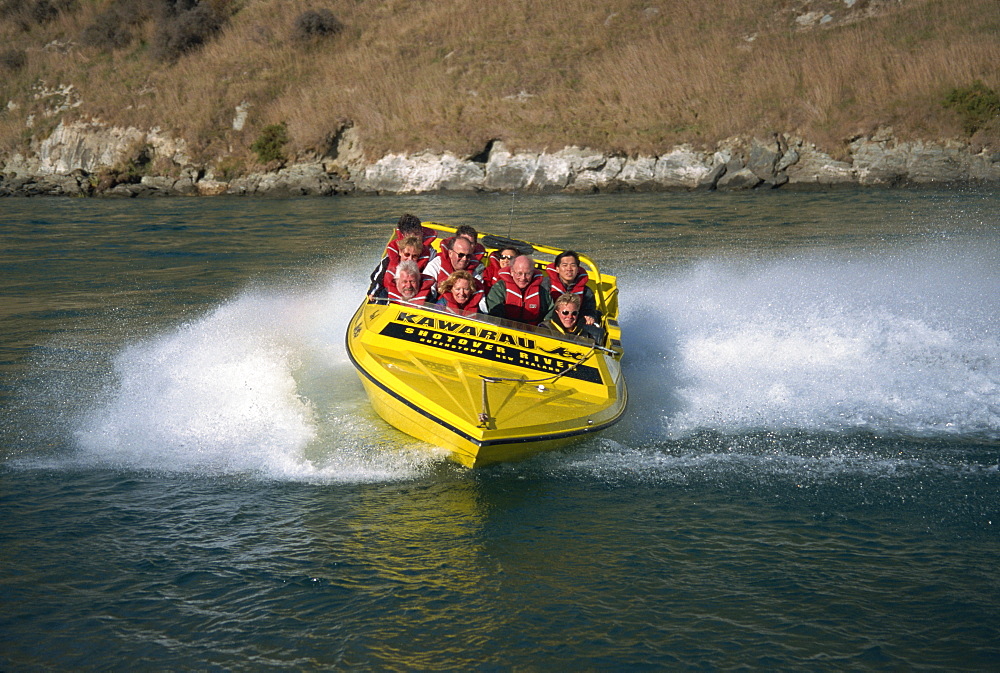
(76, 159)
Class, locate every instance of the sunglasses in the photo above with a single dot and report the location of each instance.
(507, 256)
(570, 312)
(464, 255)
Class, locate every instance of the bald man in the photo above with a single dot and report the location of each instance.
(521, 293)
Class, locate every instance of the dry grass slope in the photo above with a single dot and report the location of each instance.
(623, 75)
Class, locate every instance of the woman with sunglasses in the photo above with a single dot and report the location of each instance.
(566, 318)
(495, 263)
(410, 249)
(407, 227)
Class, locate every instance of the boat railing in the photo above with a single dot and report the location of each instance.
(484, 416)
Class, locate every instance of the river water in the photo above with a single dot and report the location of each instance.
(807, 476)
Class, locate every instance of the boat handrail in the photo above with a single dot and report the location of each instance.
(484, 415)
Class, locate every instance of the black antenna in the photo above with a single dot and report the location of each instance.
(510, 224)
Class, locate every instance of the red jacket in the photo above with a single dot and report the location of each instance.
(423, 293)
(588, 302)
(556, 287)
(392, 252)
(491, 272)
(428, 235)
(390, 272)
(471, 306)
(527, 305)
(386, 270)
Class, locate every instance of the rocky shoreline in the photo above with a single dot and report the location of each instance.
(85, 159)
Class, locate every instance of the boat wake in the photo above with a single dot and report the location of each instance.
(261, 385)
(903, 345)
(721, 357)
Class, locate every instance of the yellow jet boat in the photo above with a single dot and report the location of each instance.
(487, 389)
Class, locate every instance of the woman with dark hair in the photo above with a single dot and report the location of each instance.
(497, 261)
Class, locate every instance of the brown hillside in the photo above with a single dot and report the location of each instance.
(623, 75)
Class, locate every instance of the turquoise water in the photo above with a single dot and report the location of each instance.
(807, 477)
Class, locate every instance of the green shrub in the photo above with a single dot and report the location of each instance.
(108, 31)
(977, 104)
(314, 24)
(272, 139)
(13, 59)
(180, 30)
(228, 169)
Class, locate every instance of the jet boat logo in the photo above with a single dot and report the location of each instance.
(487, 344)
(464, 329)
(563, 353)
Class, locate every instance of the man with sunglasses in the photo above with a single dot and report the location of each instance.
(458, 257)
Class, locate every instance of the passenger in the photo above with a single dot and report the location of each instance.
(458, 294)
(565, 318)
(566, 276)
(496, 262)
(521, 293)
(408, 225)
(410, 248)
(413, 248)
(458, 257)
(409, 286)
(470, 234)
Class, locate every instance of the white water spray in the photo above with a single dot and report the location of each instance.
(905, 344)
(260, 385)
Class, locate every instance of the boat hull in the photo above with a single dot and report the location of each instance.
(482, 389)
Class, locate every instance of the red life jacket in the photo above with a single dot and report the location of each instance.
(426, 287)
(427, 234)
(446, 268)
(471, 306)
(492, 271)
(556, 287)
(522, 305)
(392, 252)
(390, 272)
